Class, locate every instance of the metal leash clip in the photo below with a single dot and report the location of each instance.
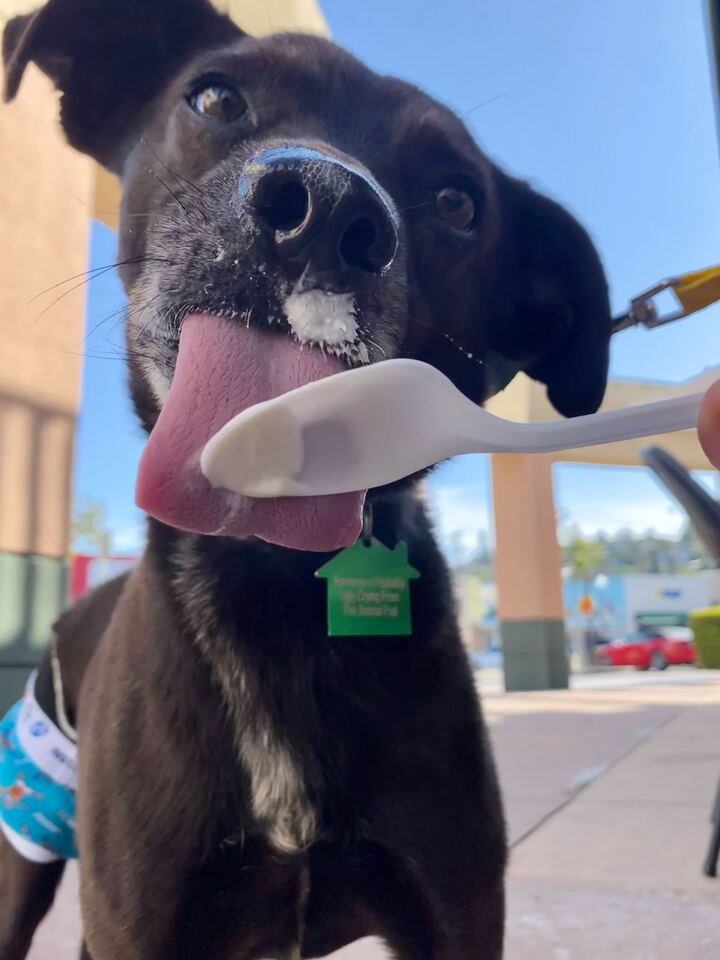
(693, 291)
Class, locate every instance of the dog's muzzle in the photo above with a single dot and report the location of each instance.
(321, 216)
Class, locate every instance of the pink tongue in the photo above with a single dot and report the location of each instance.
(223, 368)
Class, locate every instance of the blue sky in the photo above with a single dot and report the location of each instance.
(607, 106)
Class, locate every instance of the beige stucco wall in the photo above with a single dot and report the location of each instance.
(255, 16)
(44, 215)
(49, 195)
(524, 400)
(11, 8)
(273, 16)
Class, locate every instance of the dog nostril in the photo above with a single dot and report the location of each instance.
(361, 247)
(285, 205)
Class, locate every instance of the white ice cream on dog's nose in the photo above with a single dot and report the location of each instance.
(327, 319)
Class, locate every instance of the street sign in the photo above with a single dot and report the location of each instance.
(586, 605)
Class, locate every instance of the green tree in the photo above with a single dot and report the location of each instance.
(584, 557)
(88, 528)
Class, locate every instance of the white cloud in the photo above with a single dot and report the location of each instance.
(610, 516)
(459, 517)
(610, 499)
(461, 512)
(129, 540)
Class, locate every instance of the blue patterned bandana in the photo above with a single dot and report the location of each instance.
(38, 781)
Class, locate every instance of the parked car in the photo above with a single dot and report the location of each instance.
(656, 647)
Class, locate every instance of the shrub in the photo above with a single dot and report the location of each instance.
(705, 625)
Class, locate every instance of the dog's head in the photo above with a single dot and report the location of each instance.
(287, 211)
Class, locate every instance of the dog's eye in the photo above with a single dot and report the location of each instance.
(456, 207)
(218, 100)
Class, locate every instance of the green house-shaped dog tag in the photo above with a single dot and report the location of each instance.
(368, 590)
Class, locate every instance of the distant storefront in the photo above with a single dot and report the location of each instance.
(606, 607)
(619, 604)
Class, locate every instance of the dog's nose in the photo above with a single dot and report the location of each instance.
(322, 214)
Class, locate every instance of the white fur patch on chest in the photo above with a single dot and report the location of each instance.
(279, 797)
(327, 319)
(278, 794)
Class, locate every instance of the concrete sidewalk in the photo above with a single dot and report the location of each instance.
(608, 789)
(608, 793)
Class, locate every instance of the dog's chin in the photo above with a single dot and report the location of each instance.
(222, 368)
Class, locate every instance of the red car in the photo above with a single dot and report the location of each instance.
(656, 647)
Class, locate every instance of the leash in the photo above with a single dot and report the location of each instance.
(693, 291)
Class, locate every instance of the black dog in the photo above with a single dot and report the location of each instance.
(249, 786)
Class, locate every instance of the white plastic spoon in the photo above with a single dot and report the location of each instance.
(373, 425)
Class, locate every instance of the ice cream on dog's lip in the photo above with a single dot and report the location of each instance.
(222, 368)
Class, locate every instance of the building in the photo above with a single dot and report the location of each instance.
(45, 221)
(618, 605)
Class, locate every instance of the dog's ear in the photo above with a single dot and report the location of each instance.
(560, 322)
(109, 59)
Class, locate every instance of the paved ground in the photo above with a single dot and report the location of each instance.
(608, 794)
(607, 788)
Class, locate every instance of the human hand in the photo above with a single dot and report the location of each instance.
(709, 424)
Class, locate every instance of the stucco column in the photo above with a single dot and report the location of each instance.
(44, 215)
(50, 194)
(527, 573)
